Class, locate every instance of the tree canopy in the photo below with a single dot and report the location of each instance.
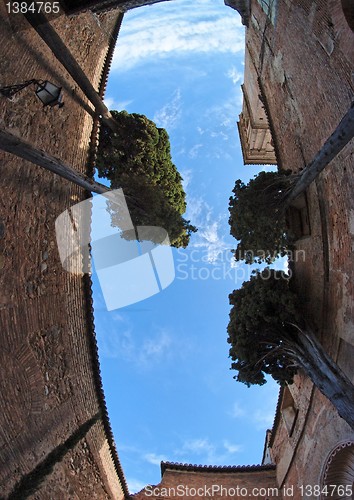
(137, 158)
(260, 327)
(269, 336)
(257, 219)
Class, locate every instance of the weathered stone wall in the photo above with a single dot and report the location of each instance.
(300, 457)
(188, 481)
(304, 61)
(49, 379)
(50, 382)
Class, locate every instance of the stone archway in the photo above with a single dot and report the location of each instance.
(338, 472)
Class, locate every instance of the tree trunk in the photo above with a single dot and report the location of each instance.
(40, 23)
(23, 149)
(326, 375)
(334, 145)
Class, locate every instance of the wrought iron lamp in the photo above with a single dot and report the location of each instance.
(48, 93)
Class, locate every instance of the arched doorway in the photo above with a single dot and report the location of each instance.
(338, 473)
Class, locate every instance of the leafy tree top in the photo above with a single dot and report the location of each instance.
(268, 335)
(137, 158)
(262, 330)
(257, 219)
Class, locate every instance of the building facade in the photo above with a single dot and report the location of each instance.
(302, 56)
(49, 374)
(193, 481)
(298, 84)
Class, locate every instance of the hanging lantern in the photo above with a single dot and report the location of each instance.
(49, 94)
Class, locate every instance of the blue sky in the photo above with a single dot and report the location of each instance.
(165, 366)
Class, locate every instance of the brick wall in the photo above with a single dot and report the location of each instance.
(183, 481)
(49, 382)
(304, 60)
(308, 88)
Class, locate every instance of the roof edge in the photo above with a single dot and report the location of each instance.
(95, 363)
(276, 416)
(214, 468)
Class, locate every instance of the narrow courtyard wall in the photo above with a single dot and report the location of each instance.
(302, 53)
(50, 380)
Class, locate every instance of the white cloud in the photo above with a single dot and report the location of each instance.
(232, 448)
(154, 459)
(156, 347)
(261, 417)
(202, 448)
(168, 116)
(125, 343)
(220, 123)
(117, 316)
(219, 154)
(235, 75)
(187, 178)
(225, 113)
(197, 209)
(210, 233)
(135, 485)
(237, 411)
(111, 103)
(116, 343)
(205, 30)
(208, 239)
(128, 448)
(264, 418)
(198, 446)
(193, 153)
(208, 452)
(220, 133)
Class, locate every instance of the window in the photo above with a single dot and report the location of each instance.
(298, 218)
(288, 411)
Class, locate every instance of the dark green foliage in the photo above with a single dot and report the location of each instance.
(137, 159)
(30, 483)
(261, 331)
(257, 219)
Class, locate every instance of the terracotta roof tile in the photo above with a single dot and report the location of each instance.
(88, 283)
(214, 468)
